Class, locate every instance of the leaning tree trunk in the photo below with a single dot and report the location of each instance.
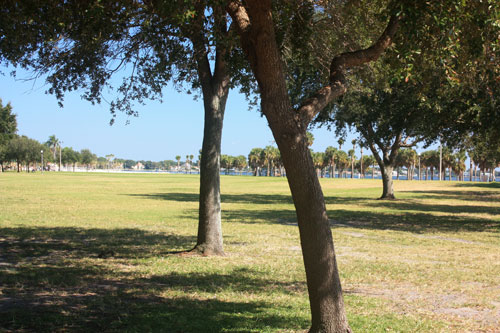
(388, 188)
(323, 281)
(256, 29)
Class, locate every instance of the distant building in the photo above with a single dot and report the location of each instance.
(138, 166)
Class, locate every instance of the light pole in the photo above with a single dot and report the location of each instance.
(440, 161)
(419, 174)
(41, 151)
(60, 159)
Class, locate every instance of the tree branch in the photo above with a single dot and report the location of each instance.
(337, 87)
(395, 147)
(241, 20)
(222, 48)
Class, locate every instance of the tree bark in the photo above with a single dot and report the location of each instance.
(388, 188)
(209, 239)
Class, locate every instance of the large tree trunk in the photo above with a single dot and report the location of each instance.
(388, 188)
(256, 29)
(323, 281)
(209, 240)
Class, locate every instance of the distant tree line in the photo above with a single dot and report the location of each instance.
(26, 154)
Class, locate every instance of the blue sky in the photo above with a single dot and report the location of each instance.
(161, 131)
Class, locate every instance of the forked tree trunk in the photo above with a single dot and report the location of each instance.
(388, 188)
(215, 88)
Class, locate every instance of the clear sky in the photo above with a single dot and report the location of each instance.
(161, 131)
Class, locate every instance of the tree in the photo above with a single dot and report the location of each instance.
(255, 161)
(128, 164)
(24, 151)
(430, 159)
(8, 128)
(369, 160)
(342, 162)
(485, 154)
(87, 158)
(364, 164)
(148, 44)
(407, 158)
(331, 156)
(256, 28)
(388, 118)
(70, 156)
(319, 162)
(239, 162)
(109, 159)
(226, 162)
(53, 143)
(178, 159)
(269, 156)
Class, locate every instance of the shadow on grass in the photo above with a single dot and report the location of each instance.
(80, 242)
(51, 281)
(410, 222)
(411, 205)
(494, 185)
(257, 199)
(403, 215)
(485, 196)
(254, 199)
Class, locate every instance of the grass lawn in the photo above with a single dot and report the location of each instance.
(92, 252)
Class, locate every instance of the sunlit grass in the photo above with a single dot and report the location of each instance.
(94, 252)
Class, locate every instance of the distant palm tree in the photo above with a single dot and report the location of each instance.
(178, 158)
(331, 156)
(109, 158)
(341, 142)
(318, 161)
(342, 161)
(53, 143)
(269, 156)
(255, 160)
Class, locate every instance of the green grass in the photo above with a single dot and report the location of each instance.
(427, 262)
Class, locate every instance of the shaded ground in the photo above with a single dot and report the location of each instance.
(53, 280)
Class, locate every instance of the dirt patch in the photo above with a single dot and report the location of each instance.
(450, 307)
(450, 239)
